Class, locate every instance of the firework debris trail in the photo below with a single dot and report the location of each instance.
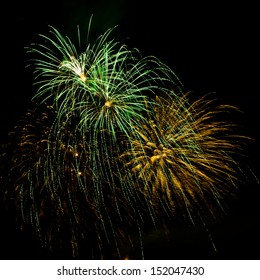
(112, 145)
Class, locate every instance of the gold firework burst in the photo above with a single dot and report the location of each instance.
(49, 181)
(183, 155)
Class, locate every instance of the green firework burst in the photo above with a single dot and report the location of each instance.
(107, 88)
(107, 85)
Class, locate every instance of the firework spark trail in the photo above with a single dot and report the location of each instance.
(53, 190)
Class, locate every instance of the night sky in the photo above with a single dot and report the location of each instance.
(211, 47)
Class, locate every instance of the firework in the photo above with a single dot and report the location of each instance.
(183, 157)
(111, 148)
(107, 88)
(107, 85)
(51, 185)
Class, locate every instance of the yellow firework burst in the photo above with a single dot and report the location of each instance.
(182, 157)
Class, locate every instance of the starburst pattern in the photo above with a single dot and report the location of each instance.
(183, 156)
(107, 85)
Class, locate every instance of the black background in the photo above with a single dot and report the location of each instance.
(212, 47)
